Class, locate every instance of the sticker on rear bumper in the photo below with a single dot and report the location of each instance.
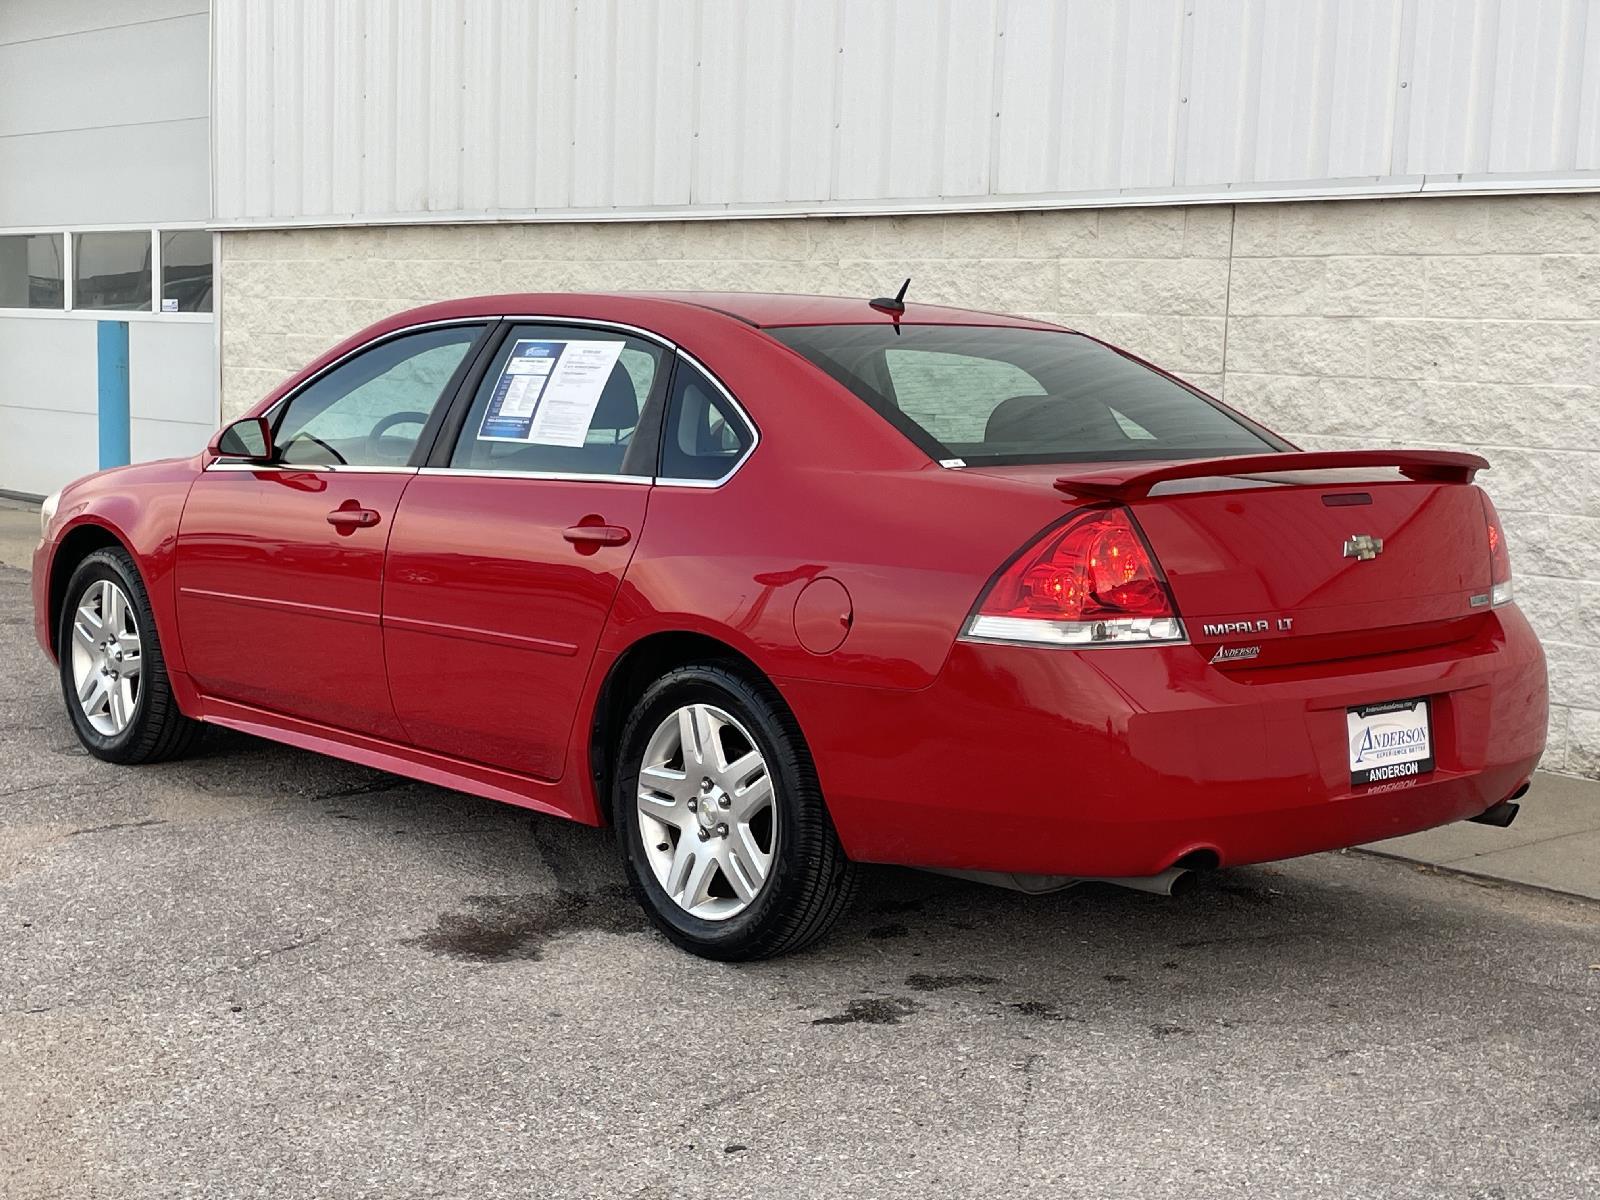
(1393, 740)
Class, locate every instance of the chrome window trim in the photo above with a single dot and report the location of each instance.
(575, 476)
(665, 343)
(233, 464)
(594, 323)
(755, 431)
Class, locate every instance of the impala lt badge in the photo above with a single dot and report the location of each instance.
(1229, 628)
(1363, 547)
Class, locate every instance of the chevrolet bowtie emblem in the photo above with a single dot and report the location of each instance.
(1363, 547)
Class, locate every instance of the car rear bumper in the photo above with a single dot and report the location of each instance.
(1120, 762)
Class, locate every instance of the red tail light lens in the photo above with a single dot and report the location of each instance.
(1090, 582)
(1499, 556)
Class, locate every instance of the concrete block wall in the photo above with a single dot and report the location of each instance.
(1469, 322)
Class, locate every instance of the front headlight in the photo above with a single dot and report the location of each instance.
(47, 512)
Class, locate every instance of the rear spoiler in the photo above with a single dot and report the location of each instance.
(1129, 482)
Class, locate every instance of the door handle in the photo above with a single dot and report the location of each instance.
(347, 519)
(596, 535)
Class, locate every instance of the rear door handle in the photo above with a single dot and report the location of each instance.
(596, 535)
(346, 519)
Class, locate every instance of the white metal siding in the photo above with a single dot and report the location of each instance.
(104, 112)
(461, 109)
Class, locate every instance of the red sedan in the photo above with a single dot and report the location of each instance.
(780, 584)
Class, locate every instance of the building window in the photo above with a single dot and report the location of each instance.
(111, 271)
(186, 271)
(31, 274)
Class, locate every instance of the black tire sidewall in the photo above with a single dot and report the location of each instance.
(749, 933)
(118, 568)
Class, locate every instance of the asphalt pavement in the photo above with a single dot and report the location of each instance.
(260, 972)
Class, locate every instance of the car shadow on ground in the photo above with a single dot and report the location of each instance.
(912, 939)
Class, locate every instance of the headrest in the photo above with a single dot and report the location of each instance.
(619, 402)
(1053, 421)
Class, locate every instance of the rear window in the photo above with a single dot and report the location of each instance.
(993, 395)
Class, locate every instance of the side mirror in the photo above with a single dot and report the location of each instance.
(249, 438)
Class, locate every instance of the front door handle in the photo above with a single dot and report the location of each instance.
(347, 519)
(596, 535)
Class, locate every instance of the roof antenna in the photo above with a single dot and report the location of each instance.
(895, 304)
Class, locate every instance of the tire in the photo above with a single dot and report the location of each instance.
(806, 883)
(145, 725)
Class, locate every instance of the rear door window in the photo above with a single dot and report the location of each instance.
(562, 400)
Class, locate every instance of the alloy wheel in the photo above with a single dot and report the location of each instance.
(707, 812)
(106, 657)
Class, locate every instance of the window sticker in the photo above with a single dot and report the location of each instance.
(548, 392)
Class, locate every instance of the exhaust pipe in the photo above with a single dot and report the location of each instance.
(1499, 816)
(1505, 812)
(1173, 882)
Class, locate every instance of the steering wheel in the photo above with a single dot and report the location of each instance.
(375, 438)
(303, 436)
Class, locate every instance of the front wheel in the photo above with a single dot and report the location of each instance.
(724, 835)
(113, 676)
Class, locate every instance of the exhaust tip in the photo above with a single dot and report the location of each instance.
(1501, 815)
(1174, 882)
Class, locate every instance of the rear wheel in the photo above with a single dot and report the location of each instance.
(113, 676)
(724, 834)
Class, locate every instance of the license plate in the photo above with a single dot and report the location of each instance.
(1393, 740)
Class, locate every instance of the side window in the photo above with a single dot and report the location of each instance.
(952, 395)
(370, 410)
(704, 436)
(560, 400)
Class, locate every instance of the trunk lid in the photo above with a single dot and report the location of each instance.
(1279, 568)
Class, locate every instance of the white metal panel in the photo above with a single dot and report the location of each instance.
(334, 110)
(134, 76)
(43, 449)
(35, 20)
(48, 400)
(148, 440)
(147, 174)
(170, 376)
(104, 125)
(1538, 75)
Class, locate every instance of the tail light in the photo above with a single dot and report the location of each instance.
(1499, 556)
(1091, 582)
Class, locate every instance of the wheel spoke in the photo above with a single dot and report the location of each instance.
(678, 869)
(754, 798)
(697, 886)
(86, 628)
(116, 703)
(745, 866)
(689, 737)
(661, 796)
(737, 773)
(87, 687)
(707, 730)
(665, 780)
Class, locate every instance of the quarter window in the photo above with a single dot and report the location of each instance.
(370, 410)
(705, 436)
(562, 400)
